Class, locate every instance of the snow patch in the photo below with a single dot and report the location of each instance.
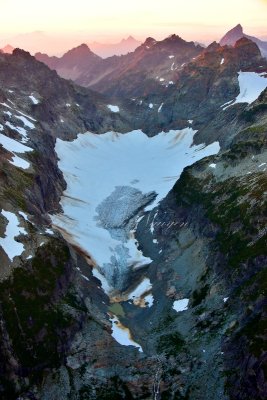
(11, 247)
(222, 61)
(160, 107)
(212, 165)
(180, 305)
(171, 56)
(114, 109)
(20, 130)
(49, 231)
(122, 335)
(12, 146)
(8, 113)
(143, 287)
(151, 105)
(26, 122)
(25, 216)
(149, 300)
(34, 100)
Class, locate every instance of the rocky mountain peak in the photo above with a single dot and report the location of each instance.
(232, 36)
(22, 53)
(130, 39)
(238, 29)
(149, 41)
(212, 47)
(248, 46)
(80, 50)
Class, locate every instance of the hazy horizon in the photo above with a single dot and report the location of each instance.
(55, 27)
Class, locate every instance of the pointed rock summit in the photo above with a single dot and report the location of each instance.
(80, 51)
(237, 33)
(232, 36)
(149, 41)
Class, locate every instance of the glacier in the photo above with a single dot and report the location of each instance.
(112, 179)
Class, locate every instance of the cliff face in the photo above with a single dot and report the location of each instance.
(200, 315)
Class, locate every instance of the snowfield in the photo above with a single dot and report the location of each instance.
(111, 180)
(251, 85)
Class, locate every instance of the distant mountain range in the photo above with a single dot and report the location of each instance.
(231, 37)
(154, 62)
(70, 65)
(105, 50)
(35, 41)
(8, 49)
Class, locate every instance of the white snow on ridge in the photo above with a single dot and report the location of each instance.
(142, 288)
(112, 108)
(251, 85)
(222, 61)
(12, 146)
(122, 335)
(11, 247)
(151, 105)
(131, 160)
(26, 122)
(149, 300)
(34, 100)
(20, 130)
(160, 107)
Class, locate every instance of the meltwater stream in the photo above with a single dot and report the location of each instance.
(111, 180)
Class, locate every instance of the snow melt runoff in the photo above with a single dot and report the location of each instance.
(112, 179)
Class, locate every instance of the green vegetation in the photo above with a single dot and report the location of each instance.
(15, 181)
(33, 315)
(231, 206)
(250, 115)
(170, 344)
(199, 295)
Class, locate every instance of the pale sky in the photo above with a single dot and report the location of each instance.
(87, 20)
